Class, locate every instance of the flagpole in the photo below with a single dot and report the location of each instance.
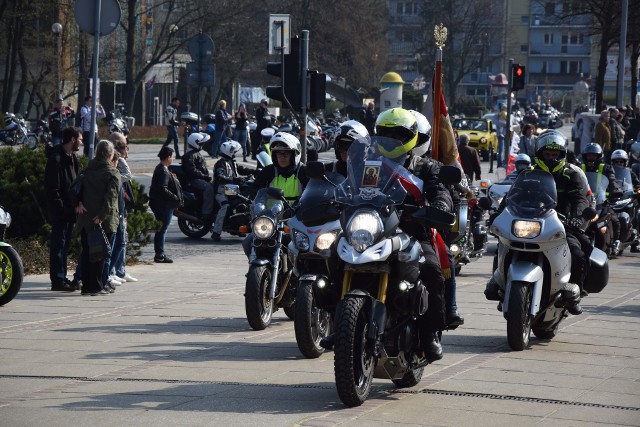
(440, 36)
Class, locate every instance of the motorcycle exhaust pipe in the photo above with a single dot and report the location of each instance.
(188, 217)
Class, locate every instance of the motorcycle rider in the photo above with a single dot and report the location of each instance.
(286, 172)
(349, 132)
(400, 124)
(593, 161)
(195, 168)
(225, 171)
(619, 159)
(551, 150)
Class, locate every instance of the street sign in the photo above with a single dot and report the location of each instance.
(199, 74)
(277, 24)
(110, 13)
(201, 48)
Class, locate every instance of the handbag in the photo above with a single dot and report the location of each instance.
(99, 246)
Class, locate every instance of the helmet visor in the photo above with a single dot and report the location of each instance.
(397, 132)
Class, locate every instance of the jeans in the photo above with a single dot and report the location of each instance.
(222, 213)
(172, 135)
(58, 250)
(163, 215)
(220, 136)
(119, 253)
(207, 194)
(240, 135)
(106, 267)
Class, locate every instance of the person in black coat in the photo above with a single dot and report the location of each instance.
(60, 171)
(165, 194)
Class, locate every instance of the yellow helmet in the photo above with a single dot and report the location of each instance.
(399, 124)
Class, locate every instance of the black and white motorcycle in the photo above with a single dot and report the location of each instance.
(16, 132)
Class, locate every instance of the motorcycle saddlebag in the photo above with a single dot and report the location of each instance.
(598, 274)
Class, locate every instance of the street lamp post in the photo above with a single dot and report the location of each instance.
(57, 30)
(172, 30)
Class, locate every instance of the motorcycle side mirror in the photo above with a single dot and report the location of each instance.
(314, 170)
(589, 213)
(484, 203)
(450, 175)
(276, 193)
(231, 189)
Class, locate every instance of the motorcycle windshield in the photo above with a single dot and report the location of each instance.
(623, 176)
(532, 194)
(315, 205)
(376, 175)
(598, 184)
(264, 202)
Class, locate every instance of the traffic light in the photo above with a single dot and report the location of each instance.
(317, 90)
(518, 74)
(292, 71)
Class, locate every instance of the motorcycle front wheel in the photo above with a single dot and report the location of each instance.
(518, 318)
(311, 323)
(11, 274)
(192, 229)
(257, 302)
(353, 366)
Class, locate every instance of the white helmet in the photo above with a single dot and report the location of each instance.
(619, 155)
(283, 141)
(348, 132)
(424, 134)
(522, 162)
(230, 148)
(196, 140)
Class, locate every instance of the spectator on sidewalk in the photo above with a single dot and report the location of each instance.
(60, 171)
(469, 159)
(240, 133)
(172, 122)
(99, 207)
(223, 121)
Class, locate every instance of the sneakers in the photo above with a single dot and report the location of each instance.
(115, 280)
(162, 259)
(65, 286)
(215, 237)
(109, 288)
(127, 278)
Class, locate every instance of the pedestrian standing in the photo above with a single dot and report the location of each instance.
(60, 171)
(501, 130)
(263, 121)
(602, 135)
(85, 122)
(469, 159)
(172, 122)
(58, 119)
(528, 141)
(240, 133)
(165, 195)
(98, 208)
(223, 120)
(368, 118)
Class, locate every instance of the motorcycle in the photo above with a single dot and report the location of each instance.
(270, 281)
(11, 269)
(43, 133)
(117, 121)
(190, 219)
(16, 132)
(627, 209)
(600, 231)
(314, 232)
(534, 261)
(468, 238)
(376, 329)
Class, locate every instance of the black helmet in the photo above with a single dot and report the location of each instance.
(595, 149)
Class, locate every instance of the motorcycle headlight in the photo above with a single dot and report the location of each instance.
(526, 229)
(454, 249)
(325, 240)
(301, 240)
(263, 227)
(363, 229)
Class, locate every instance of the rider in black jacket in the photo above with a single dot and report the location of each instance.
(349, 132)
(195, 167)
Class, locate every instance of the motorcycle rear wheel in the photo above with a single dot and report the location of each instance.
(191, 229)
(257, 303)
(311, 323)
(518, 318)
(353, 367)
(11, 274)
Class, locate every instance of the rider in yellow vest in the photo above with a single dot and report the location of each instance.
(286, 172)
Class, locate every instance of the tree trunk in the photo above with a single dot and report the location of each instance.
(602, 68)
(131, 88)
(9, 71)
(24, 73)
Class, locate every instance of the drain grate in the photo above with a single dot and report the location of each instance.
(514, 398)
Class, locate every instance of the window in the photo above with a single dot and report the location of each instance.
(400, 8)
(548, 38)
(571, 7)
(524, 48)
(549, 9)
(524, 19)
(570, 67)
(545, 67)
(572, 38)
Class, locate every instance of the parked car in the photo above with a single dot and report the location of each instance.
(481, 132)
